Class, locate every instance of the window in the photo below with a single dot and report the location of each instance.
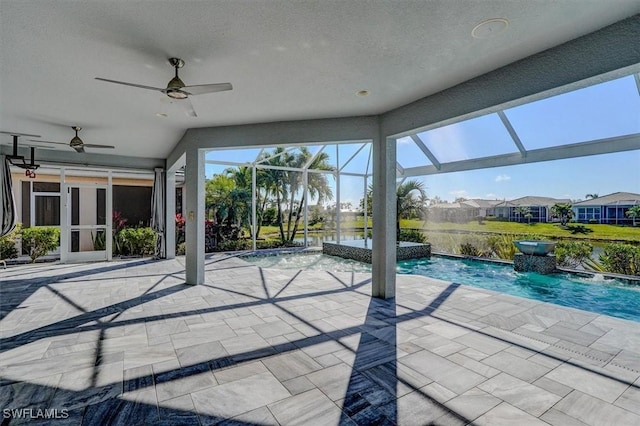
(133, 203)
(47, 210)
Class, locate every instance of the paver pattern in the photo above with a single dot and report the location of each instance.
(128, 343)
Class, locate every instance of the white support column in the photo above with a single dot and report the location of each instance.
(384, 218)
(109, 216)
(194, 181)
(254, 216)
(365, 217)
(64, 220)
(338, 219)
(305, 174)
(170, 214)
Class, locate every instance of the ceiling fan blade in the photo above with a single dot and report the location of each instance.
(55, 143)
(130, 84)
(201, 89)
(90, 145)
(189, 110)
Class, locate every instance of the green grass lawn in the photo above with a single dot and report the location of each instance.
(549, 230)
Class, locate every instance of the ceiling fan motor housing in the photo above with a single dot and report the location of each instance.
(76, 142)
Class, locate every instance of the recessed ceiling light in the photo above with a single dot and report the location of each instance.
(362, 92)
(161, 114)
(490, 28)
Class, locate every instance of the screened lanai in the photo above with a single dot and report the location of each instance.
(562, 123)
(597, 120)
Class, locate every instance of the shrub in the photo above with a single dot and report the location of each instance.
(621, 259)
(233, 245)
(468, 249)
(8, 248)
(475, 245)
(572, 253)
(268, 244)
(412, 235)
(40, 240)
(99, 240)
(137, 241)
(181, 250)
(502, 246)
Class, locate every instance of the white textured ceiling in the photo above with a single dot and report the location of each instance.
(286, 60)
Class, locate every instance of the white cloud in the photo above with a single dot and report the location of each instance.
(503, 178)
(459, 193)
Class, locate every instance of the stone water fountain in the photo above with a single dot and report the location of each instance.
(535, 256)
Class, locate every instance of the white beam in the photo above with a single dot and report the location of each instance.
(512, 133)
(312, 159)
(302, 132)
(426, 151)
(582, 149)
(271, 157)
(82, 160)
(352, 157)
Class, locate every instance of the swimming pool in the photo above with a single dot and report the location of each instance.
(595, 294)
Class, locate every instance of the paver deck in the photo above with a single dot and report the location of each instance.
(127, 342)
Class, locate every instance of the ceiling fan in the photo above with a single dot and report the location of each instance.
(77, 143)
(176, 89)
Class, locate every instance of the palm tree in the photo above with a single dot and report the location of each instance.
(276, 182)
(227, 201)
(317, 184)
(591, 196)
(217, 197)
(406, 204)
(240, 194)
(633, 213)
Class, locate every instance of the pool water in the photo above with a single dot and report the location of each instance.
(595, 294)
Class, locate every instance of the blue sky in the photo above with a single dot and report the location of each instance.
(605, 110)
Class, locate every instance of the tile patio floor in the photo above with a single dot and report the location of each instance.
(128, 343)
